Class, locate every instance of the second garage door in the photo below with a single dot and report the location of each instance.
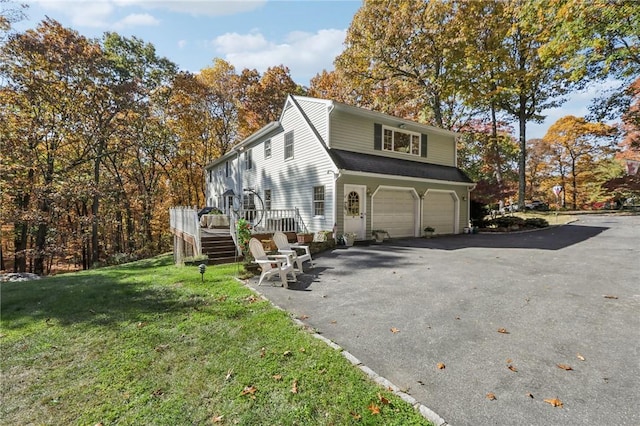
(395, 211)
(439, 212)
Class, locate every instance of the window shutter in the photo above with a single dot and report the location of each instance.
(377, 136)
(423, 145)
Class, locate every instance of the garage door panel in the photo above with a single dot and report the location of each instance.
(439, 212)
(394, 211)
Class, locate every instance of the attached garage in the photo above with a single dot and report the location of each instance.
(395, 210)
(440, 211)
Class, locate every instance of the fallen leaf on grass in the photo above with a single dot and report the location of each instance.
(157, 392)
(228, 376)
(302, 350)
(440, 366)
(382, 399)
(491, 396)
(512, 368)
(503, 331)
(277, 377)
(286, 353)
(249, 390)
(217, 419)
(251, 299)
(555, 402)
(294, 386)
(222, 298)
(356, 416)
(395, 330)
(141, 324)
(262, 352)
(580, 357)
(163, 347)
(608, 296)
(565, 367)
(374, 409)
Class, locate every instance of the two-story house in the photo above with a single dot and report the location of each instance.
(347, 167)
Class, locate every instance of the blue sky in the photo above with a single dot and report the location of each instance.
(304, 35)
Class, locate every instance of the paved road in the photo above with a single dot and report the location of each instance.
(560, 294)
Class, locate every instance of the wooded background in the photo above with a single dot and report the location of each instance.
(99, 138)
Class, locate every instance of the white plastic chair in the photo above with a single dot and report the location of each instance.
(279, 265)
(285, 248)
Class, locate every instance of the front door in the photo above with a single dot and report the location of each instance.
(355, 210)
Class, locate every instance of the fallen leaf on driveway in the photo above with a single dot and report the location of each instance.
(440, 366)
(503, 331)
(530, 395)
(491, 396)
(374, 409)
(512, 368)
(555, 402)
(580, 357)
(394, 330)
(608, 296)
(565, 367)
(303, 317)
(509, 360)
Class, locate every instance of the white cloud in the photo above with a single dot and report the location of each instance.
(198, 7)
(304, 53)
(137, 20)
(98, 13)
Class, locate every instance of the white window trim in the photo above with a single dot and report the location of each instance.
(267, 155)
(407, 132)
(324, 201)
(293, 152)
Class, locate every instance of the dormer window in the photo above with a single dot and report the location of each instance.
(401, 141)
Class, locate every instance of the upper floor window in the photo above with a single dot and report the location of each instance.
(318, 200)
(401, 141)
(288, 145)
(267, 149)
(227, 169)
(210, 175)
(248, 164)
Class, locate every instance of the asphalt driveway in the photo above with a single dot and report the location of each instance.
(563, 296)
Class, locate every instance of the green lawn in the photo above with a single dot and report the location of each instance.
(149, 343)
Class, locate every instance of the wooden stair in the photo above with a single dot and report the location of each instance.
(219, 249)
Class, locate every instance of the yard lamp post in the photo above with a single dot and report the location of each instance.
(202, 267)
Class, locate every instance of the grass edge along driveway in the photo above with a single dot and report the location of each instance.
(149, 343)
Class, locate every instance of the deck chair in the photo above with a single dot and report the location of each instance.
(285, 248)
(280, 264)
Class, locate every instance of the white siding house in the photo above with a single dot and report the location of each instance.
(346, 167)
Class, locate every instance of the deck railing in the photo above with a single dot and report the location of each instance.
(283, 220)
(184, 220)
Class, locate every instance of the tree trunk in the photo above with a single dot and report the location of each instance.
(522, 161)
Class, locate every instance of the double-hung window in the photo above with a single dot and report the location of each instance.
(318, 200)
(227, 169)
(288, 145)
(267, 199)
(267, 148)
(248, 164)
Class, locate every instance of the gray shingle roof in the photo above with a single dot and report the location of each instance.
(358, 162)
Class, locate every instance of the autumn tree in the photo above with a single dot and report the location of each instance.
(405, 45)
(261, 97)
(577, 144)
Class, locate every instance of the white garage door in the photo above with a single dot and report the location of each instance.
(395, 212)
(439, 212)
